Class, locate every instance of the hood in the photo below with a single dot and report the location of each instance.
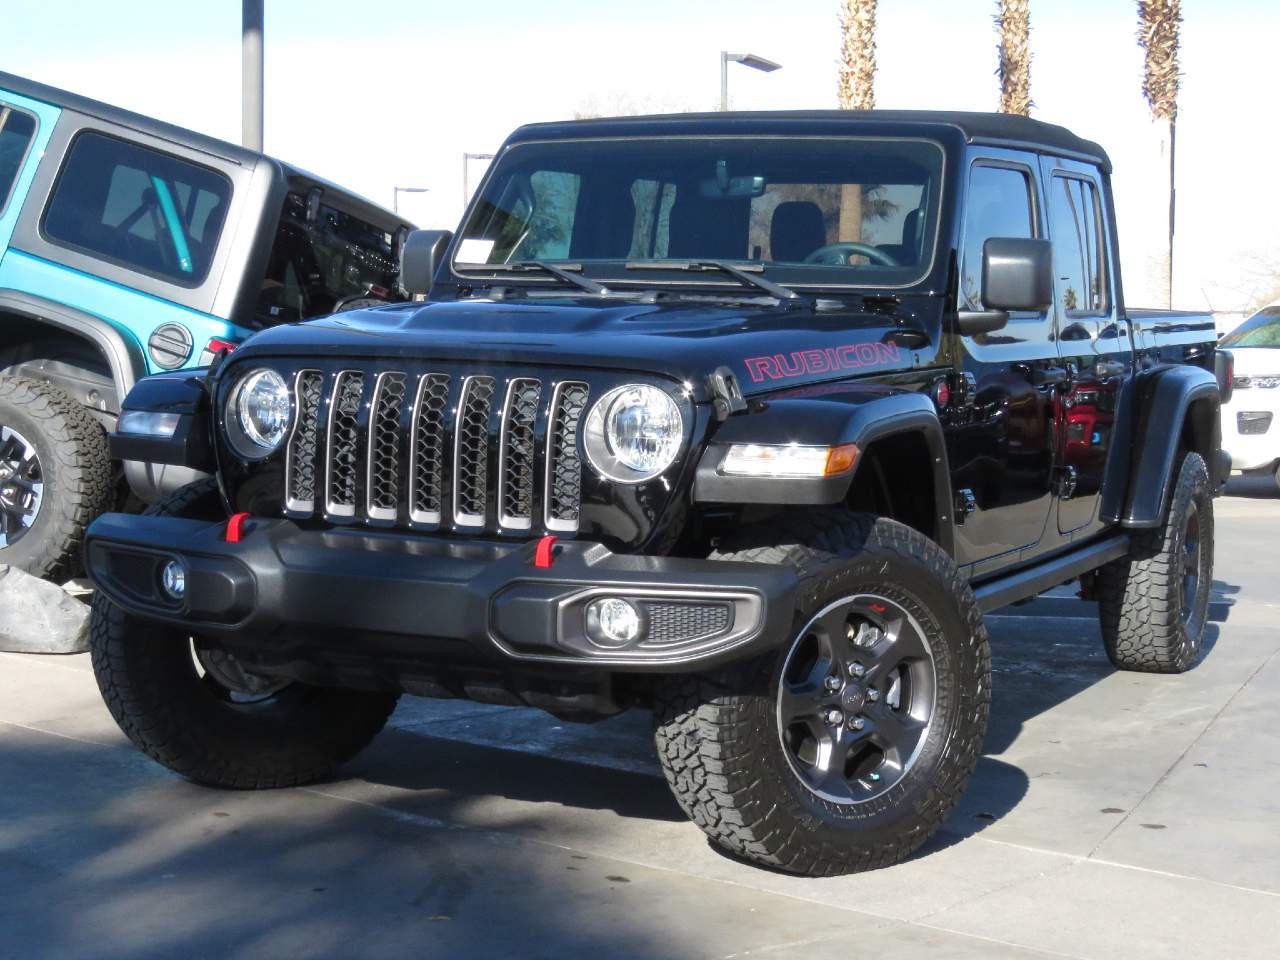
(767, 347)
(1256, 361)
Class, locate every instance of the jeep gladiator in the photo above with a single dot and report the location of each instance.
(745, 419)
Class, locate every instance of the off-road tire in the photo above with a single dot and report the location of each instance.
(717, 733)
(151, 686)
(1140, 596)
(76, 467)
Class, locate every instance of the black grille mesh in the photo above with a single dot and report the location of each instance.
(384, 456)
(472, 482)
(518, 468)
(302, 445)
(428, 457)
(344, 440)
(564, 491)
(685, 622)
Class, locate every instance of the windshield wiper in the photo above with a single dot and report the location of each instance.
(563, 271)
(744, 275)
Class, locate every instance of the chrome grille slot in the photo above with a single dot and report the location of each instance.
(471, 452)
(300, 455)
(426, 447)
(564, 466)
(343, 461)
(382, 485)
(517, 454)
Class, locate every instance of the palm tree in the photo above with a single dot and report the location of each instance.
(1158, 25)
(1013, 24)
(856, 90)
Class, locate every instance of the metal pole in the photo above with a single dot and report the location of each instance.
(724, 80)
(395, 200)
(466, 180)
(251, 74)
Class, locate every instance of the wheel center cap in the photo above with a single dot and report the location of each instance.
(854, 697)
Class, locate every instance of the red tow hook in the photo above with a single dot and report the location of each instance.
(544, 556)
(235, 527)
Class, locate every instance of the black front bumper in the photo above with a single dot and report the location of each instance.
(286, 593)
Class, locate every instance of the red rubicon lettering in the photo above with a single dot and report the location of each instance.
(800, 363)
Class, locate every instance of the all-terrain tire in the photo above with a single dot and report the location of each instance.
(74, 468)
(148, 678)
(1140, 597)
(718, 734)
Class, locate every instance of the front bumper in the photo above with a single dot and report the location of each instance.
(289, 594)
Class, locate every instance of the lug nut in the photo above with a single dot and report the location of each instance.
(857, 723)
(834, 718)
(872, 694)
(832, 684)
(856, 670)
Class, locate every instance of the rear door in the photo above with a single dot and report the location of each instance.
(25, 126)
(1094, 344)
(1002, 447)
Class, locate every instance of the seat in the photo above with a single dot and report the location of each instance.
(907, 252)
(798, 228)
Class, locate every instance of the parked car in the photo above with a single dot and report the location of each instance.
(129, 247)
(1248, 417)
(743, 419)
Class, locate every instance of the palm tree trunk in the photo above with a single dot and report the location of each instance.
(1158, 27)
(1013, 24)
(857, 92)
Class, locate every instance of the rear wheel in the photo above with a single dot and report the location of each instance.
(194, 707)
(1154, 603)
(846, 748)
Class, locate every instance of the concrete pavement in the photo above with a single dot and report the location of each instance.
(1113, 816)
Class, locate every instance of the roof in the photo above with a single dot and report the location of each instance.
(999, 129)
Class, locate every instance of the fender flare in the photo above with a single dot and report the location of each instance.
(846, 415)
(1154, 407)
(124, 357)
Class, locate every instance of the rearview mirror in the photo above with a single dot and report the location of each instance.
(420, 254)
(1017, 274)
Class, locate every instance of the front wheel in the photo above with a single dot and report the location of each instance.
(846, 748)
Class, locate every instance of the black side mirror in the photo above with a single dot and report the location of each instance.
(1017, 274)
(420, 254)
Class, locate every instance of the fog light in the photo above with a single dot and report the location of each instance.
(173, 580)
(613, 622)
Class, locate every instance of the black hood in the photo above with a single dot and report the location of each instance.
(765, 346)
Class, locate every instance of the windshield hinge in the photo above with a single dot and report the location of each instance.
(726, 395)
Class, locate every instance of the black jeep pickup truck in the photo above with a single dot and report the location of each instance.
(743, 418)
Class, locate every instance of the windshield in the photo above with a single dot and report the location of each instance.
(323, 261)
(1260, 330)
(813, 212)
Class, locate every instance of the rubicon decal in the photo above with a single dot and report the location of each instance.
(802, 363)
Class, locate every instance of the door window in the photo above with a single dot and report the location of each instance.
(139, 208)
(999, 205)
(1079, 258)
(16, 131)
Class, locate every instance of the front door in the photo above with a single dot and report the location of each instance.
(1003, 447)
(1095, 348)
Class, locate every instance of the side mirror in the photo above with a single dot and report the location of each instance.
(1017, 274)
(420, 254)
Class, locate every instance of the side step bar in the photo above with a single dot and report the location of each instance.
(1047, 574)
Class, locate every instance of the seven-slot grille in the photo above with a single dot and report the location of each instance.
(428, 448)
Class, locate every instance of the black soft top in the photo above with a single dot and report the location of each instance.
(998, 129)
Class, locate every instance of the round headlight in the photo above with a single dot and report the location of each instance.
(633, 433)
(258, 414)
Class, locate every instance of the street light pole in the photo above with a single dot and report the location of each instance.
(747, 60)
(395, 195)
(466, 162)
(251, 74)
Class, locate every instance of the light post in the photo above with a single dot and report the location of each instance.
(251, 74)
(747, 60)
(466, 166)
(395, 195)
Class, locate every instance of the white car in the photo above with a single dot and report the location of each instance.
(1250, 432)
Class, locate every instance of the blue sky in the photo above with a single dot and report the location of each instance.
(392, 92)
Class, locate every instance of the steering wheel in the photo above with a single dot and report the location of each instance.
(837, 254)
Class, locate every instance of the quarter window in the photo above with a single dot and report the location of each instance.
(1079, 260)
(139, 208)
(999, 205)
(16, 131)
